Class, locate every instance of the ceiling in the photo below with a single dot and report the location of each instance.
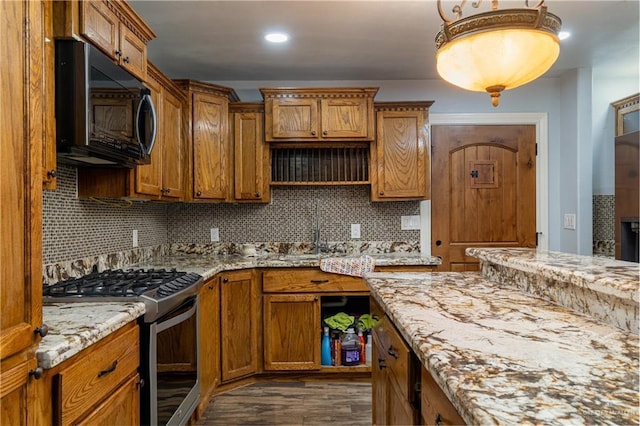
(355, 40)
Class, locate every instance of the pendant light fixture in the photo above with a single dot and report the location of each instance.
(496, 50)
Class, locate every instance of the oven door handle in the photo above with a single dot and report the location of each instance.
(163, 325)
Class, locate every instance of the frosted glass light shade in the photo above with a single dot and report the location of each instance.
(498, 52)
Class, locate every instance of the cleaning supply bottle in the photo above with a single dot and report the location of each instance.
(325, 348)
(362, 344)
(350, 348)
(367, 350)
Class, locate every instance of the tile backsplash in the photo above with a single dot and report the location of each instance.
(74, 228)
(604, 213)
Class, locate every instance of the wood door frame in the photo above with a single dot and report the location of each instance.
(540, 120)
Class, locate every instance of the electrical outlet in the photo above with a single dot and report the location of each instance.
(569, 221)
(135, 238)
(409, 222)
(215, 235)
(355, 230)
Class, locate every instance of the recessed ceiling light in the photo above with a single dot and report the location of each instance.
(277, 37)
(562, 35)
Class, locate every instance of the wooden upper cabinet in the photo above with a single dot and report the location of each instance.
(22, 93)
(318, 114)
(164, 177)
(208, 146)
(112, 26)
(400, 156)
(251, 157)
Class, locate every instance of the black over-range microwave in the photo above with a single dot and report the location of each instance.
(104, 115)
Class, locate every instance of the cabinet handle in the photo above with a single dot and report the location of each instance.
(381, 364)
(313, 133)
(51, 174)
(140, 383)
(37, 373)
(438, 420)
(126, 60)
(392, 352)
(108, 370)
(118, 52)
(43, 330)
(198, 194)
(319, 281)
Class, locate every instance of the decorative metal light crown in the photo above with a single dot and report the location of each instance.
(497, 50)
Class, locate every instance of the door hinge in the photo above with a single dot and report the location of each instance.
(536, 149)
(537, 235)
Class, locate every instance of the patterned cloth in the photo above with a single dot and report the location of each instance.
(355, 266)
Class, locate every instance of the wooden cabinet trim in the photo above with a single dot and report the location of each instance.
(309, 280)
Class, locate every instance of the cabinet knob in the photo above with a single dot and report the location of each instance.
(126, 60)
(210, 287)
(225, 280)
(313, 133)
(381, 192)
(325, 133)
(381, 364)
(167, 190)
(118, 52)
(257, 195)
(51, 174)
(438, 420)
(37, 373)
(140, 383)
(438, 243)
(43, 330)
(198, 194)
(392, 352)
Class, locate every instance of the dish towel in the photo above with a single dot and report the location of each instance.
(356, 267)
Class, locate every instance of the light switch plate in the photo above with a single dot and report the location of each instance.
(409, 222)
(569, 221)
(135, 238)
(215, 235)
(355, 230)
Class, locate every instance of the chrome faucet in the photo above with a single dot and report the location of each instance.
(318, 247)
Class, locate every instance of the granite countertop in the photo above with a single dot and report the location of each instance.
(603, 275)
(75, 326)
(208, 266)
(503, 356)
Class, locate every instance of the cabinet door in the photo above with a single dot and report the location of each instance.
(21, 144)
(379, 384)
(100, 26)
(401, 156)
(436, 408)
(149, 176)
(133, 53)
(49, 156)
(295, 118)
(291, 332)
(238, 324)
(210, 116)
(344, 118)
(121, 408)
(251, 180)
(173, 143)
(209, 334)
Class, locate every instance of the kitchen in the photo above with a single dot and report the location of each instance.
(75, 229)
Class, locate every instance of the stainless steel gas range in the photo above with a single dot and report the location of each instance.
(169, 361)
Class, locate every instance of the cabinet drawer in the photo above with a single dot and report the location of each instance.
(92, 377)
(309, 280)
(395, 355)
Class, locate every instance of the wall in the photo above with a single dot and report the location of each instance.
(74, 228)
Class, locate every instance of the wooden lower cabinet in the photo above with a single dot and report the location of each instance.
(291, 331)
(209, 335)
(239, 318)
(99, 385)
(436, 409)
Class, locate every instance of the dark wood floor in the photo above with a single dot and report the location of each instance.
(292, 403)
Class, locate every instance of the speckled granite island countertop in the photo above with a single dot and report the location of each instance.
(76, 326)
(503, 356)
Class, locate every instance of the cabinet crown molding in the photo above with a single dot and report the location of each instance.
(131, 20)
(403, 106)
(214, 89)
(318, 92)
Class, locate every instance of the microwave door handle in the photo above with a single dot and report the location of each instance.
(147, 98)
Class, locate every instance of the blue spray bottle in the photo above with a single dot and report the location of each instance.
(325, 348)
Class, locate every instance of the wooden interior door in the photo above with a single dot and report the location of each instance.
(483, 190)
